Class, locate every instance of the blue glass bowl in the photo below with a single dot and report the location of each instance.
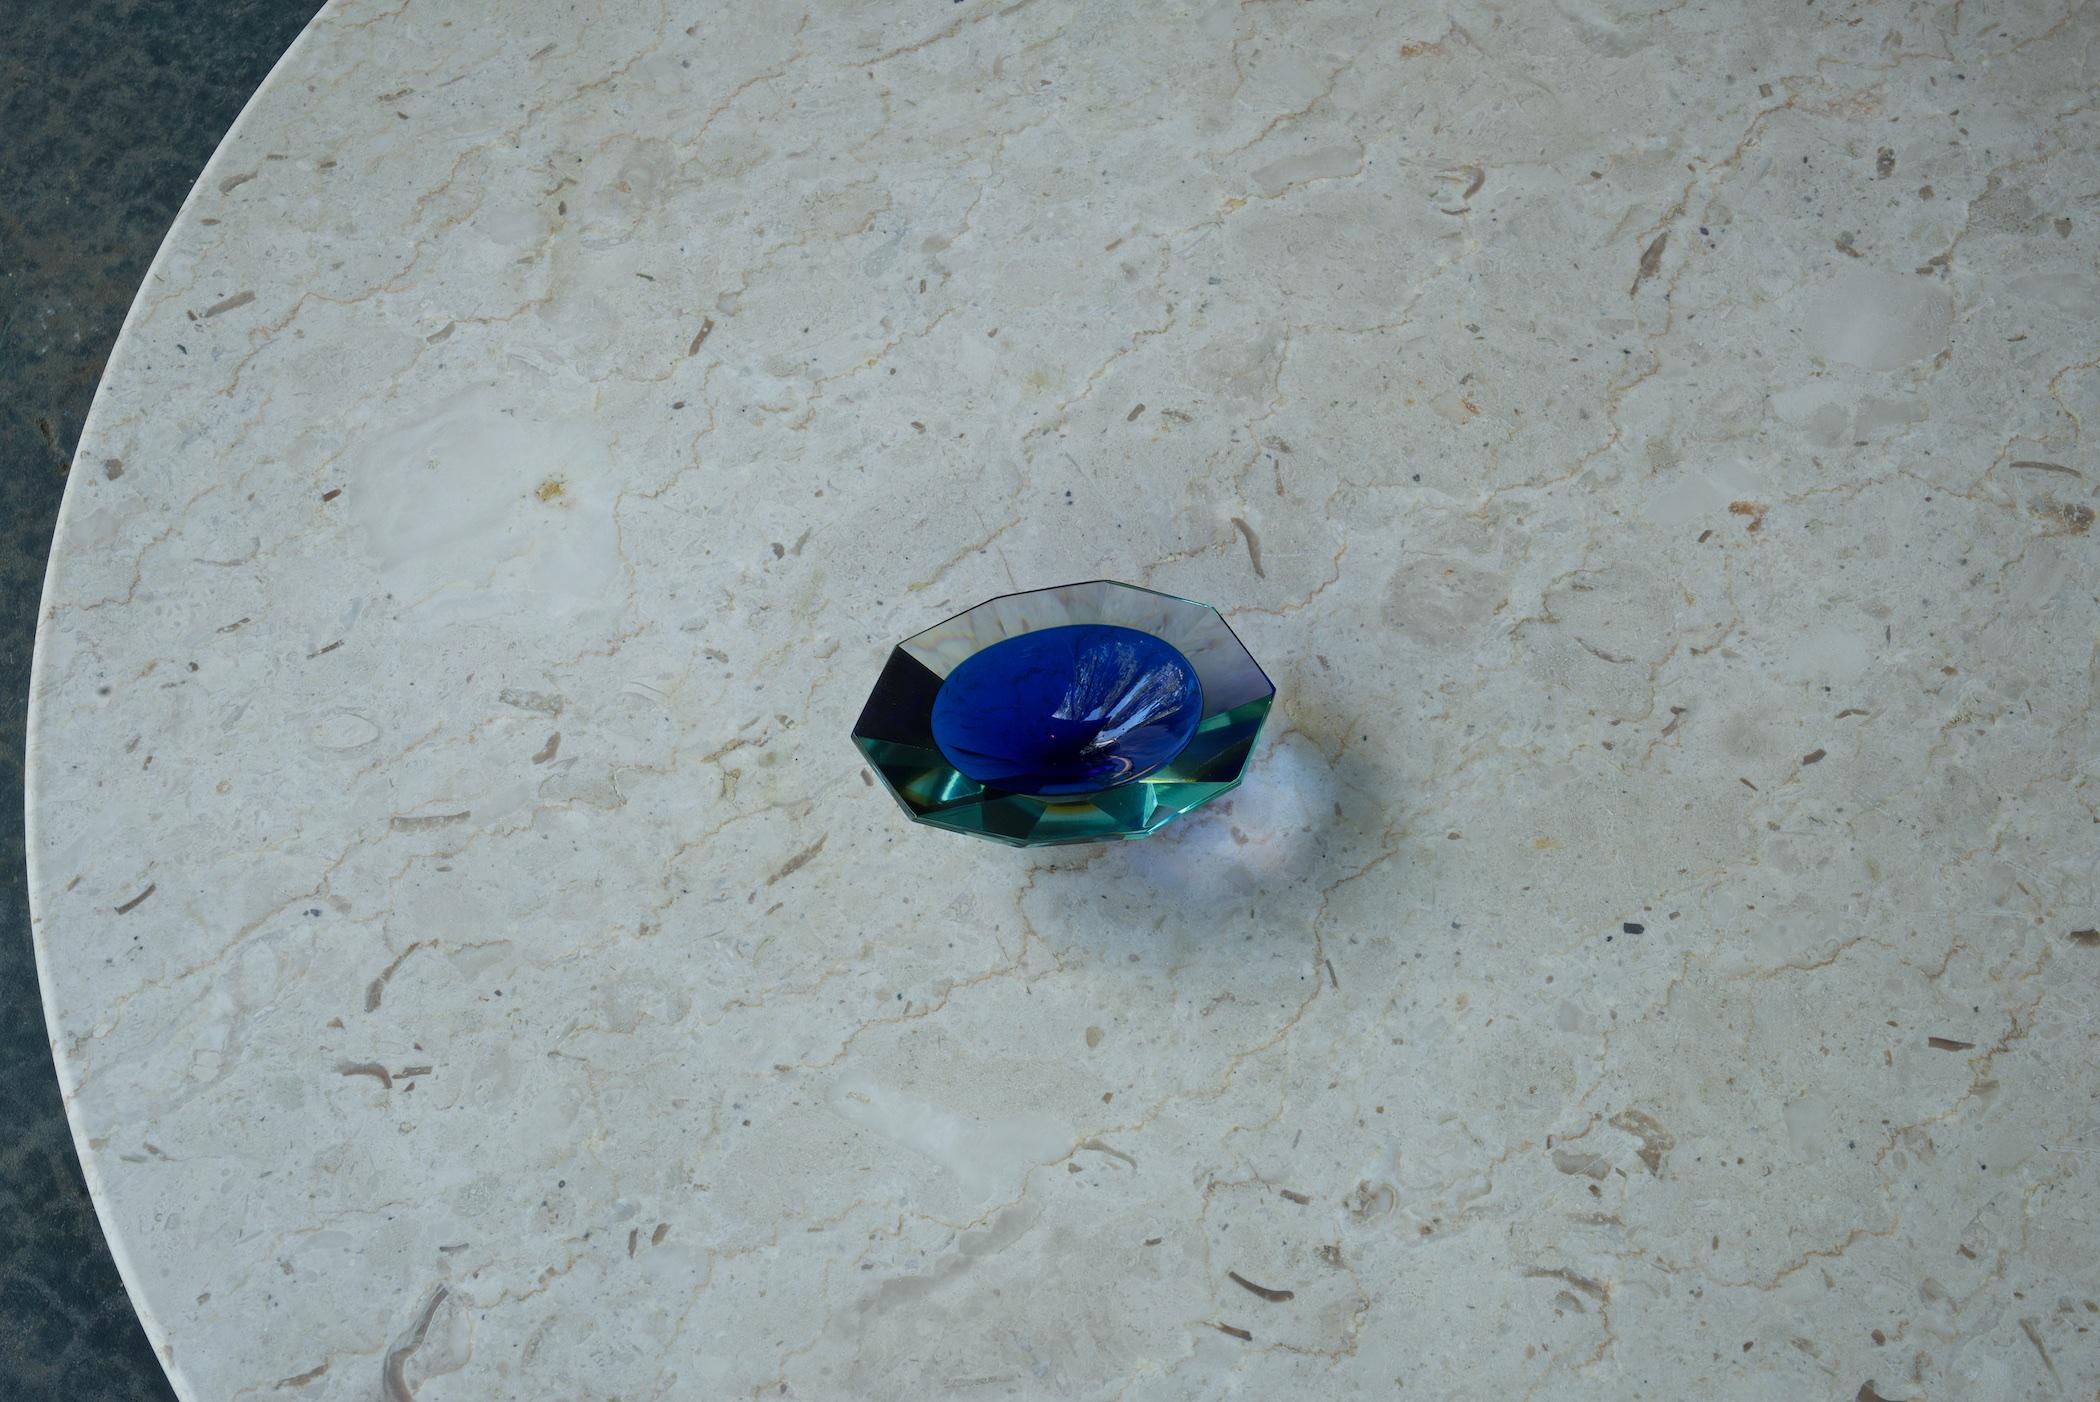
(1085, 713)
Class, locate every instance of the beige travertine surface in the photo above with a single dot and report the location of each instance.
(1652, 955)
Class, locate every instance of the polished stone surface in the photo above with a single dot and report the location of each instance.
(108, 108)
(1653, 954)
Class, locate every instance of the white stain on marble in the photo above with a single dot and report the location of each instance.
(984, 1155)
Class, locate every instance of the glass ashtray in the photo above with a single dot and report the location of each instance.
(1083, 713)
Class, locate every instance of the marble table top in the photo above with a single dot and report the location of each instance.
(1653, 954)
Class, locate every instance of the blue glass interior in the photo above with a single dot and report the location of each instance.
(1067, 710)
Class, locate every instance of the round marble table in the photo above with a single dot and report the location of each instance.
(1653, 954)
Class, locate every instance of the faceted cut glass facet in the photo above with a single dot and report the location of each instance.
(1084, 713)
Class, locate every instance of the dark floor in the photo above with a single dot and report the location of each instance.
(108, 109)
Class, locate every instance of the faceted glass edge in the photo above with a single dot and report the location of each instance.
(934, 792)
